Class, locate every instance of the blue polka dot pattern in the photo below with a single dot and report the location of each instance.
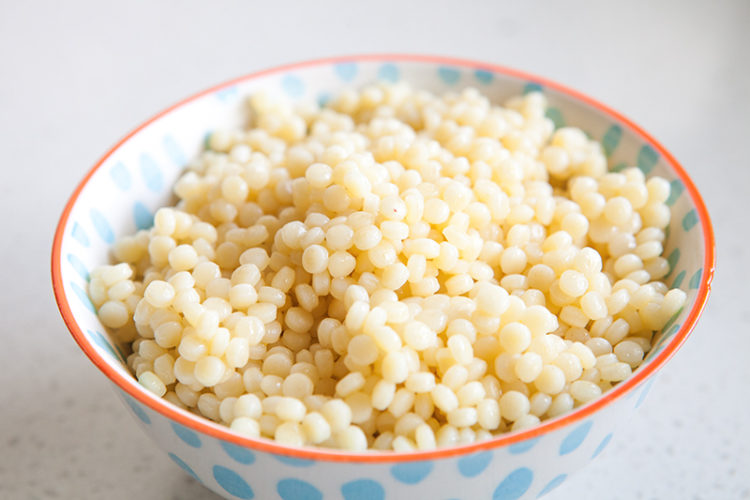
(102, 342)
(293, 86)
(647, 159)
(183, 465)
(240, 454)
(644, 392)
(151, 173)
(575, 438)
(79, 235)
(389, 73)
(695, 280)
(690, 220)
(411, 472)
(484, 76)
(139, 412)
(186, 435)
(602, 445)
(346, 70)
(473, 465)
(611, 139)
(676, 189)
(120, 176)
(553, 484)
(102, 227)
(363, 489)
(523, 446)
(296, 489)
(515, 485)
(83, 296)
(672, 259)
(556, 117)
(142, 216)
(294, 462)
(78, 266)
(449, 76)
(679, 279)
(174, 151)
(532, 87)
(232, 482)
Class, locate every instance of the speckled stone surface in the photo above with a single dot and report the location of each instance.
(77, 75)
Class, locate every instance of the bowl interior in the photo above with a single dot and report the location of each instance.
(134, 179)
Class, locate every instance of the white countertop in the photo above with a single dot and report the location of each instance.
(77, 75)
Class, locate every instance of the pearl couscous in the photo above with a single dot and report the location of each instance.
(393, 271)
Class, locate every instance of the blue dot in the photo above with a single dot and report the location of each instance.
(120, 176)
(151, 173)
(679, 279)
(667, 231)
(553, 484)
(294, 462)
(103, 229)
(81, 294)
(449, 75)
(532, 87)
(323, 99)
(611, 139)
(671, 320)
(242, 455)
(672, 259)
(676, 189)
(388, 72)
(523, 446)
(695, 280)
(484, 76)
(142, 216)
(575, 438)
(473, 465)
(102, 342)
(232, 482)
(346, 70)
(293, 86)
(647, 159)
(137, 410)
(411, 472)
(79, 235)
(690, 220)
(515, 485)
(602, 445)
(296, 489)
(174, 151)
(619, 167)
(189, 437)
(644, 392)
(227, 94)
(556, 116)
(78, 266)
(363, 489)
(183, 465)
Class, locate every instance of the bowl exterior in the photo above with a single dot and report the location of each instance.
(134, 179)
(525, 470)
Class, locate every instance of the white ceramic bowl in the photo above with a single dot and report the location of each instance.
(125, 187)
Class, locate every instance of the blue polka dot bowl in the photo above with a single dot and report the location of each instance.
(123, 190)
